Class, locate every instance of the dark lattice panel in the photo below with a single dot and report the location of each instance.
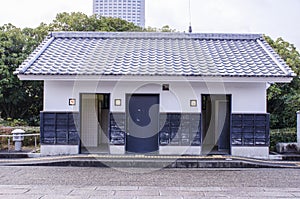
(250, 130)
(117, 128)
(59, 128)
(181, 129)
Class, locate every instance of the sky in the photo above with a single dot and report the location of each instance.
(276, 18)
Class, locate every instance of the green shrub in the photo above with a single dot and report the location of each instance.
(282, 135)
(13, 122)
(29, 141)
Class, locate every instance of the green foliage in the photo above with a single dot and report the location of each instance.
(13, 122)
(18, 99)
(77, 21)
(30, 140)
(24, 99)
(165, 28)
(284, 99)
(282, 135)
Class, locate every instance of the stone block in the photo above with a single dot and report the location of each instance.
(288, 147)
(50, 150)
(261, 152)
(117, 149)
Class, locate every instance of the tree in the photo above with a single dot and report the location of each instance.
(18, 99)
(165, 28)
(24, 99)
(77, 21)
(284, 99)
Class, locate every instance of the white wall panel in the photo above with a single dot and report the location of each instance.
(246, 97)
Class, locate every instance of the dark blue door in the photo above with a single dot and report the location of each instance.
(142, 123)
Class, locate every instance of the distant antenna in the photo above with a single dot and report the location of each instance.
(190, 18)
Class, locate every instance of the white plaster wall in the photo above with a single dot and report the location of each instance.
(251, 151)
(246, 97)
(56, 96)
(50, 150)
(249, 98)
(180, 150)
(58, 93)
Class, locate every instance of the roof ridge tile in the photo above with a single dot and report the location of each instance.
(156, 35)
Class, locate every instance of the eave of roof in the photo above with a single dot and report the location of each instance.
(130, 78)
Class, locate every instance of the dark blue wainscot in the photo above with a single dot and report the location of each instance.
(250, 135)
(250, 130)
(117, 133)
(180, 129)
(59, 133)
(179, 133)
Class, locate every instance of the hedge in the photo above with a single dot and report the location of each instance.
(282, 135)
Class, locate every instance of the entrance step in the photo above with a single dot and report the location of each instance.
(142, 161)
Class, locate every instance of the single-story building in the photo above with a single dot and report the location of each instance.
(155, 93)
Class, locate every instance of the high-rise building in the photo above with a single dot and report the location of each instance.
(129, 10)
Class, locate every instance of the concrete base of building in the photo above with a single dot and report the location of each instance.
(51, 150)
(252, 152)
(179, 150)
(163, 150)
(116, 150)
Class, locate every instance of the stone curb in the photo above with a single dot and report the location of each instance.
(150, 162)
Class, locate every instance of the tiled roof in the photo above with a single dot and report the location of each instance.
(154, 54)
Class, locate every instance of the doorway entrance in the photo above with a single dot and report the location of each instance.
(216, 111)
(142, 111)
(94, 113)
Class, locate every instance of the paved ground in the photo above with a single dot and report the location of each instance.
(87, 182)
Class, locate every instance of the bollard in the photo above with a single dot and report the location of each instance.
(18, 138)
(298, 127)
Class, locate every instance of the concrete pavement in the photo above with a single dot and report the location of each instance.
(122, 183)
(122, 177)
(145, 192)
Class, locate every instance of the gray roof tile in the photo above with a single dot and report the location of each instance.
(106, 53)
